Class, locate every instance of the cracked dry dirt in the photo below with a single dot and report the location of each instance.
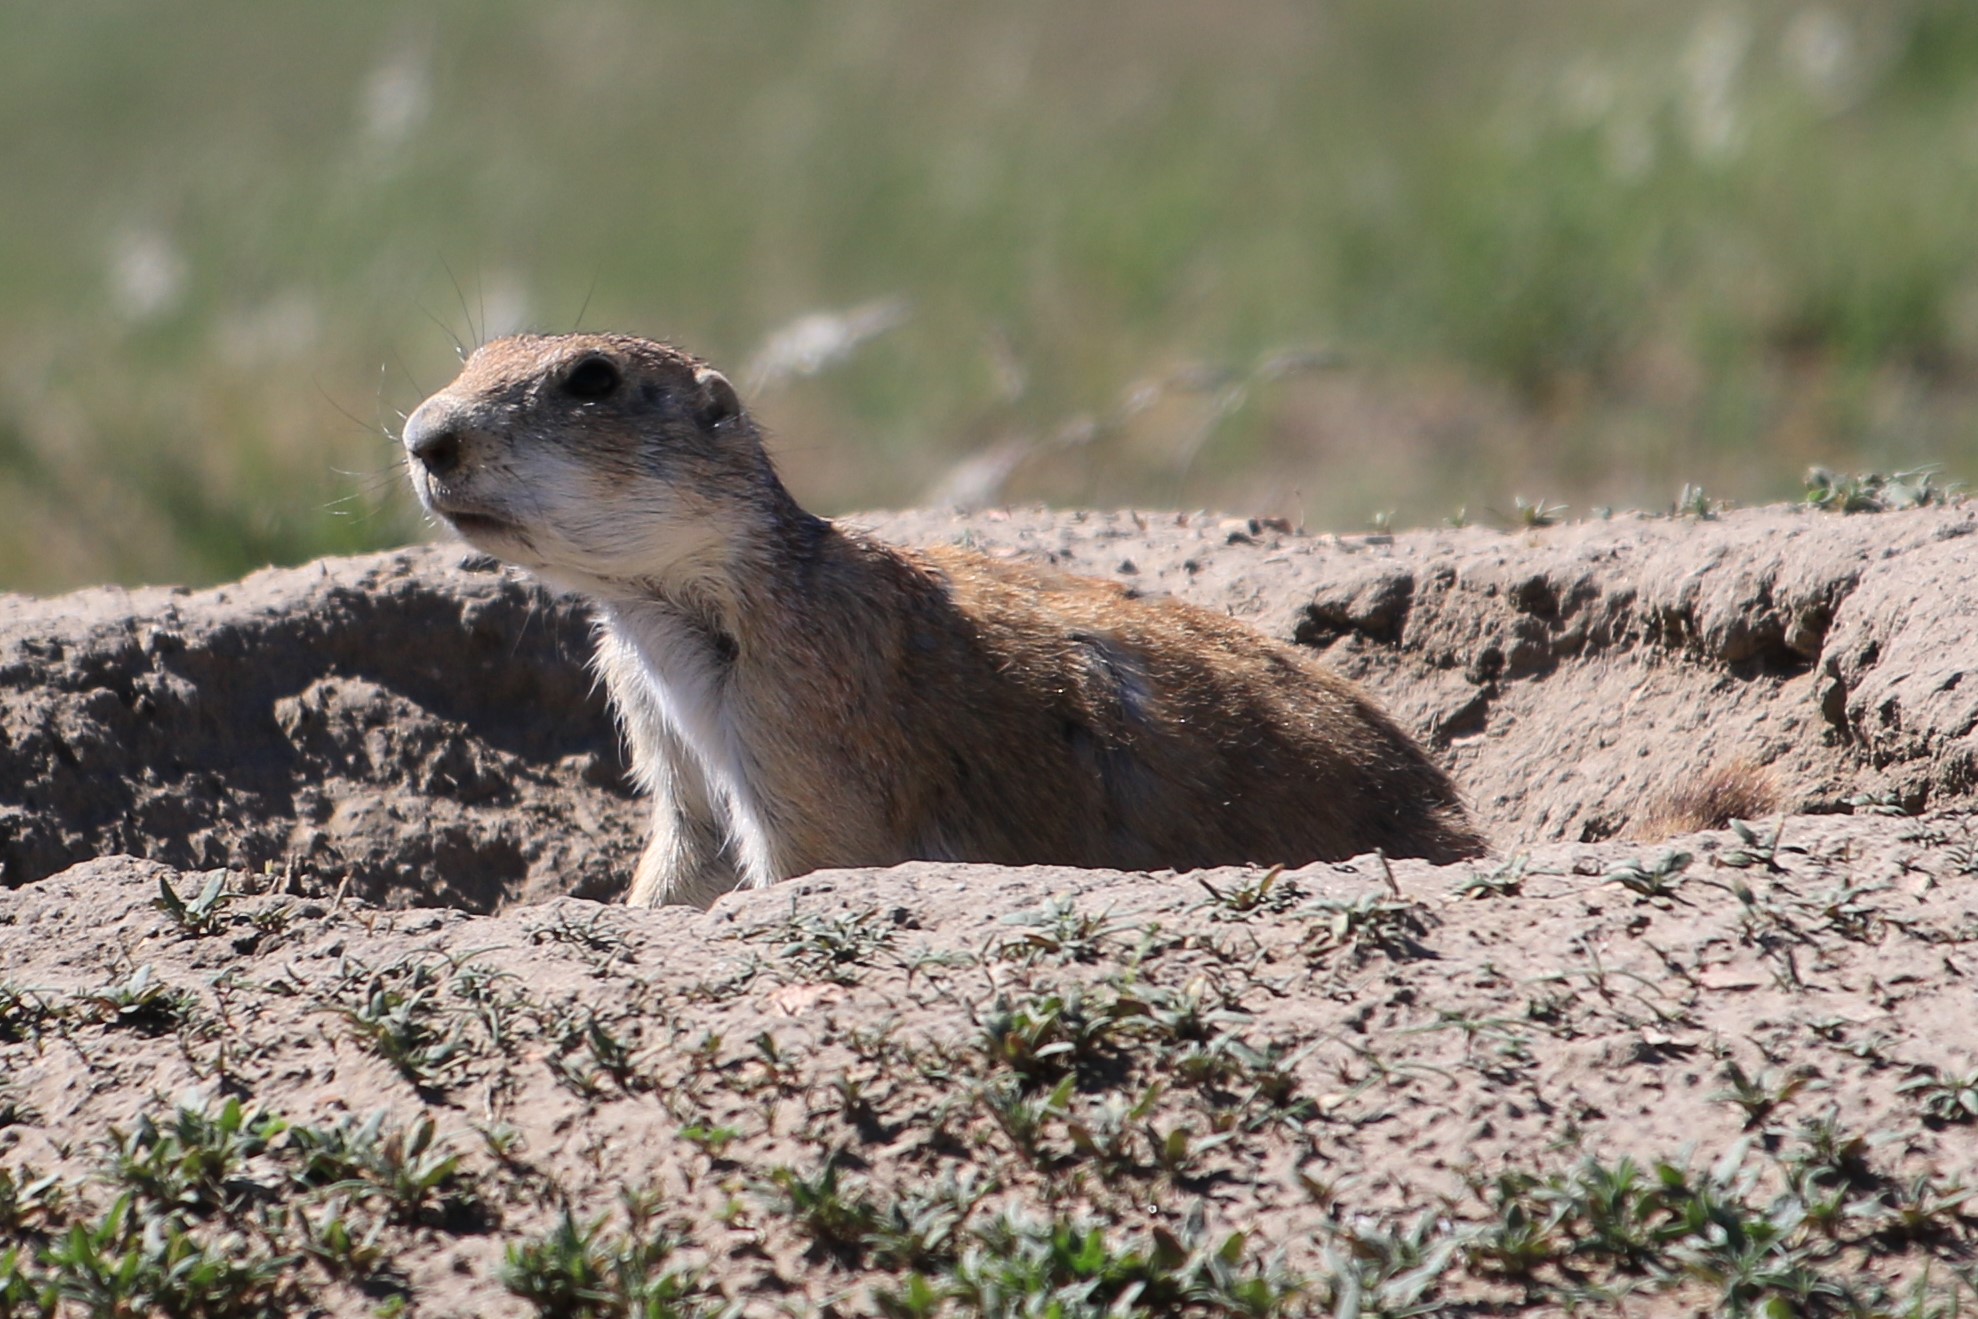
(929, 1089)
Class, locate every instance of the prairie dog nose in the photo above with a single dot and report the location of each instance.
(432, 437)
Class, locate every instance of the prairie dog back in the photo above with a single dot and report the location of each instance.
(797, 695)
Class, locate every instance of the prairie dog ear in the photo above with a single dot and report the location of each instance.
(714, 398)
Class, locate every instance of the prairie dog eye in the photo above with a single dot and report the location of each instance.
(594, 377)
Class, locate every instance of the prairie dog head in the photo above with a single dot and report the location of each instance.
(593, 460)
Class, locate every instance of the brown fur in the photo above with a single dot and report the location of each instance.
(797, 695)
(1735, 790)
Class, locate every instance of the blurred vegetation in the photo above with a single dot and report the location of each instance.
(1310, 259)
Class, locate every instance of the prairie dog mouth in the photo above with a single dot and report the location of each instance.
(472, 524)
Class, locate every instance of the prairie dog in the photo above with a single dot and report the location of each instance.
(798, 695)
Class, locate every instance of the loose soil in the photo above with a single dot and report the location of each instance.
(392, 811)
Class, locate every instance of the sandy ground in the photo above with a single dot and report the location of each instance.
(394, 783)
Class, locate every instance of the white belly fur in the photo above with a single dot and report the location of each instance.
(671, 663)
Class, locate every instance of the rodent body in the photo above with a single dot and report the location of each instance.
(797, 695)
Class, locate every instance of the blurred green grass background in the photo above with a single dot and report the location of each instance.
(1318, 260)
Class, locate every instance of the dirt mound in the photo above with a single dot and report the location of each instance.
(1718, 1073)
(423, 730)
(416, 727)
